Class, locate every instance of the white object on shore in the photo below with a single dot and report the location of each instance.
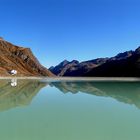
(13, 72)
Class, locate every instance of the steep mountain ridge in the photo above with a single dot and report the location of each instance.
(75, 68)
(20, 59)
(126, 64)
(129, 66)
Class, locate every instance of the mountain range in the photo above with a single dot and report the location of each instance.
(21, 59)
(126, 64)
(13, 57)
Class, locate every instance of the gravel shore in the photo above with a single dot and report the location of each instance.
(76, 78)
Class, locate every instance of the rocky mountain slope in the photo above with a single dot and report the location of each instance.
(128, 66)
(75, 68)
(125, 64)
(20, 59)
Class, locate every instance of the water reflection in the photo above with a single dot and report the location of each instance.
(72, 117)
(127, 92)
(13, 82)
(13, 94)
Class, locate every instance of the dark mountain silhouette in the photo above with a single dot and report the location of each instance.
(128, 66)
(59, 68)
(20, 59)
(126, 92)
(125, 64)
(74, 68)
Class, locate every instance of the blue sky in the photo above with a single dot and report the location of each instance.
(71, 29)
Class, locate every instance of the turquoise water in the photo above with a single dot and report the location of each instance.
(35, 110)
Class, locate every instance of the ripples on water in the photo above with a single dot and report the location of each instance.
(35, 110)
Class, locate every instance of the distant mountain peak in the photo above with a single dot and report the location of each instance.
(137, 50)
(63, 63)
(123, 55)
(126, 64)
(75, 61)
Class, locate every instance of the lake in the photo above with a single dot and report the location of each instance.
(66, 110)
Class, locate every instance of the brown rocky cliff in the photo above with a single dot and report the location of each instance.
(20, 59)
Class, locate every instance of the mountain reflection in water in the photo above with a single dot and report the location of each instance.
(19, 93)
(15, 93)
(127, 92)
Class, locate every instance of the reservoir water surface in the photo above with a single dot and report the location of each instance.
(66, 110)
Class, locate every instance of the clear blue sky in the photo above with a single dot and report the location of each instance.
(71, 29)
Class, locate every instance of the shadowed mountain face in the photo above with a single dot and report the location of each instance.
(125, 64)
(21, 95)
(20, 59)
(126, 67)
(74, 68)
(127, 92)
